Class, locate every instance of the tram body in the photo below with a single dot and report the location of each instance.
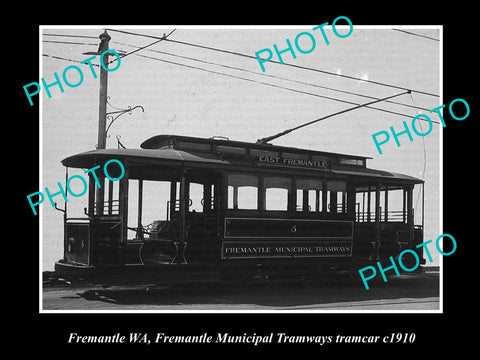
(231, 209)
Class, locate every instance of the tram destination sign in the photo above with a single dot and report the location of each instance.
(288, 249)
(292, 162)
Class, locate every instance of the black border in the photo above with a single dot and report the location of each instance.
(47, 333)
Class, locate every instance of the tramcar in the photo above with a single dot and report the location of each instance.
(215, 208)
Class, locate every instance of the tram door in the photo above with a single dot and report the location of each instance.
(202, 217)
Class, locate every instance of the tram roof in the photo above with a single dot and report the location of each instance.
(170, 150)
(162, 141)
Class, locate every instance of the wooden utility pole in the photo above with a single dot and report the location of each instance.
(102, 112)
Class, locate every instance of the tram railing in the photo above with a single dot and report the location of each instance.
(177, 205)
(337, 208)
(109, 207)
(390, 216)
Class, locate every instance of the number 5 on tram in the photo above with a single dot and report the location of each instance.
(206, 208)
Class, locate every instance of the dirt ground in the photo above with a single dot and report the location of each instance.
(416, 292)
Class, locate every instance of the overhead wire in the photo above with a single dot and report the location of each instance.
(69, 42)
(318, 70)
(273, 85)
(144, 47)
(415, 34)
(165, 38)
(278, 62)
(90, 44)
(273, 76)
(75, 36)
(66, 59)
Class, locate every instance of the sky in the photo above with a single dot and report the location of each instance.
(185, 100)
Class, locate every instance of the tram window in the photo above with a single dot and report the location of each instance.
(373, 201)
(309, 195)
(360, 206)
(242, 192)
(76, 186)
(366, 211)
(336, 197)
(395, 206)
(155, 196)
(319, 201)
(196, 197)
(337, 201)
(344, 197)
(382, 206)
(330, 204)
(370, 205)
(208, 200)
(132, 213)
(112, 199)
(276, 192)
